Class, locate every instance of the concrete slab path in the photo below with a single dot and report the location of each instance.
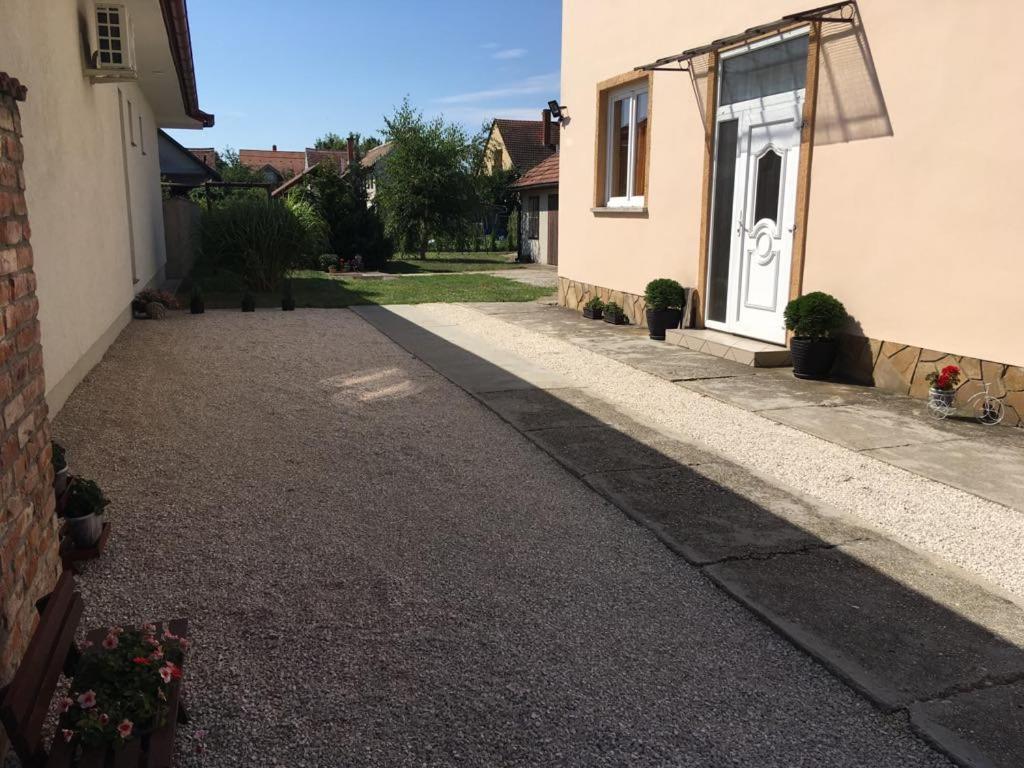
(902, 627)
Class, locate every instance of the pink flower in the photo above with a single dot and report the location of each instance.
(183, 643)
(104, 718)
(68, 734)
(65, 704)
(165, 674)
(124, 730)
(168, 635)
(156, 655)
(110, 642)
(152, 640)
(87, 700)
(170, 671)
(149, 629)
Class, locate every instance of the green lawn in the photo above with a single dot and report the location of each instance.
(318, 289)
(408, 263)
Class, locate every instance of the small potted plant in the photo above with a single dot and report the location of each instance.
(665, 299)
(328, 262)
(122, 687)
(943, 387)
(61, 475)
(815, 319)
(613, 314)
(593, 309)
(248, 302)
(288, 300)
(197, 304)
(84, 512)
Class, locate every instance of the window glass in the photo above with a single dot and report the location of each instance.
(620, 147)
(640, 147)
(766, 193)
(764, 71)
(721, 220)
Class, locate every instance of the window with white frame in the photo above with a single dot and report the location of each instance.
(626, 172)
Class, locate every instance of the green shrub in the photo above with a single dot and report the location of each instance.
(327, 260)
(613, 310)
(258, 239)
(84, 498)
(317, 231)
(815, 315)
(594, 304)
(664, 293)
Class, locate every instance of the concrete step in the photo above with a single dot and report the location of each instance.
(759, 354)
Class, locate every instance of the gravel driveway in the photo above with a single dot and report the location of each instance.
(378, 571)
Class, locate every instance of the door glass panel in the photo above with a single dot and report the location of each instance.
(620, 147)
(721, 220)
(765, 71)
(766, 195)
(640, 147)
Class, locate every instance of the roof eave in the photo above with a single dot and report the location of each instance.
(175, 16)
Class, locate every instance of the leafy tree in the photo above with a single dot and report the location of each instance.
(365, 145)
(330, 140)
(426, 188)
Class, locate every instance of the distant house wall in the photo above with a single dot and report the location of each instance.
(494, 150)
(95, 242)
(536, 248)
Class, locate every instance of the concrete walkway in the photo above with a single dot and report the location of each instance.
(379, 571)
(912, 633)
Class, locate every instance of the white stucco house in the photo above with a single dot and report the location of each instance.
(103, 77)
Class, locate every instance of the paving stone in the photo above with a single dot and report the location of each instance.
(980, 728)
(761, 392)
(584, 450)
(893, 623)
(718, 510)
(529, 409)
(858, 427)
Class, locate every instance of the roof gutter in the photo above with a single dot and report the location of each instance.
(176, 21)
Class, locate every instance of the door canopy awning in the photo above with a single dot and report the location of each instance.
(840, 13)
(850, 104)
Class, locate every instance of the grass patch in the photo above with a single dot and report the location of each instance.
(410, 263)
(318, 289)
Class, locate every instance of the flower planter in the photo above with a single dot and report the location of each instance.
(941, 398)
(288, 305)
(813, 358)
(660, 320)
(197, 306)
(593, 314)
(61, 481)
(85, 531)
(615, 319)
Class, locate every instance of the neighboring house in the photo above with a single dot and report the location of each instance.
(182, 166)
(538, 228)
(280, 165)
(375, 160)
(905, 217)
(371, 160)
(208, 155)
(520, 144)
(92, 170)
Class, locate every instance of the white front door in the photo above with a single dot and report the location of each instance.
(754, 201)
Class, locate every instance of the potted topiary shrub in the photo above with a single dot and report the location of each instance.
(593, 308)
(197, 304)
(288, 300)
(61, 475)
(665, 299)
(83, 512)
(248, 302)
(814, 319)
(613, 314)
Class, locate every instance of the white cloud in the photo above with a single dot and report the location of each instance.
(544, 85)
(509, 53)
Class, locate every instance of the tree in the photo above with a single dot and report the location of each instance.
(330, 140)
(365, 145)
(426, 187)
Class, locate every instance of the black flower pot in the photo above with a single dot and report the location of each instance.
(288, 305)
(659, 320)
(248, 303)
(592, 314)
(615, 319)
(197, 306)
(813, 358)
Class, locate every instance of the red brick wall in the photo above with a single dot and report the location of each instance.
(29, 561)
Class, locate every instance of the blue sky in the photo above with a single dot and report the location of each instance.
(285, 73)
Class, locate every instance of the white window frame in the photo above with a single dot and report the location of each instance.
(630, 92)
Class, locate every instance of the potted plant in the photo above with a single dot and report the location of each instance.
(288, 300)
(248, 302)
(328, 262)
(122, 687)
(83, 512)
(814, 319)
(943, 387)
(61, 476)
(593, 309)
(613, 314)
(665, 299)
(197, 304)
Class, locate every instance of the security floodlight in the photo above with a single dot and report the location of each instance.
(556, 110)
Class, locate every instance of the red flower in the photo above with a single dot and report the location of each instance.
(141, 660)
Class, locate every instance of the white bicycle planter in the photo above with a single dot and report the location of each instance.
(984, 406)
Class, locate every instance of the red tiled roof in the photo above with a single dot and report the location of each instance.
(207, 154)
(524, 141)
(336, 157)
(373, 155)
(282, 161)
(544, 174)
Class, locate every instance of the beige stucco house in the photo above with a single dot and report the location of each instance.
(92, 176)
(760, 149)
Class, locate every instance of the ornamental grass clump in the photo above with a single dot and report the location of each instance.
(121, 689)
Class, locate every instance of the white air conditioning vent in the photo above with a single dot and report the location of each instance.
(114, 48)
